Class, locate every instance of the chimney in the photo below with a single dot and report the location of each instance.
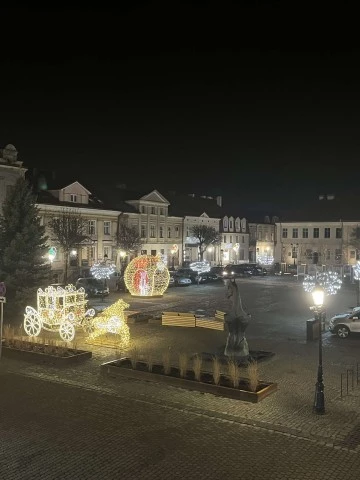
(219, 200)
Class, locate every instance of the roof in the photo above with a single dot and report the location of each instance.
(186, 205)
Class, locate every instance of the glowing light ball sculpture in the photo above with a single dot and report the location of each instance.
(147, 276)
(112, 320)
(329, 281)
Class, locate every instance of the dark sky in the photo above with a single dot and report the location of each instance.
(258, 100)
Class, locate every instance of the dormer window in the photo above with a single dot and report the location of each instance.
(73, 197)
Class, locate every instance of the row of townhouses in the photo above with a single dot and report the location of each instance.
(164, 221)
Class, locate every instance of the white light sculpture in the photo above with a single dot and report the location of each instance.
(265, 259)
(329, 281)
(356, 270)
(102, 270)
(147, 276)
(200, 267)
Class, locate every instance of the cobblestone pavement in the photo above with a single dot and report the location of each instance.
(52, 430)
(59, 423)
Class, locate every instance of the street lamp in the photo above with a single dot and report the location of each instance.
(319, 402)
(173, 251)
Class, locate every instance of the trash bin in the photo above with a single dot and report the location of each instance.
(312, 329)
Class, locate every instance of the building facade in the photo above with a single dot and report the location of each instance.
(10, 170)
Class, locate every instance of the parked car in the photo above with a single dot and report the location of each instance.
(217, 272)
(181, 280)
(92, 286)
(342, 324)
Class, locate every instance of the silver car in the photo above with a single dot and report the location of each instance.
(342, 324)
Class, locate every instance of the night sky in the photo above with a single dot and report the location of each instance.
(258, 102)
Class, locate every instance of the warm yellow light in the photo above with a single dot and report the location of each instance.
(122, 253)
(147, 276)
(112, 320)
(318, 296)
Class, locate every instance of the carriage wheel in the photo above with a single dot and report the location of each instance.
(67, 331)
(32, 322)
(88, 327)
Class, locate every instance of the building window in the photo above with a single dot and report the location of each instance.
(295, 233)
(230, 238)
(272, 236)
(284, 232)
(143, 252)
(73, 197)
(91, 253)
(224, 238)
(107, 228)
(316, 233)
(305, 233)
(237, 238)
(153, 253)
(266, 236)
(177, 232)
(230, 224)
(352, 253)
(169, 232)
(259, 235)
(143, 231)
(161, 211)
(338, 254)
(326, 232)
(161, 231)
(162, 251)
(152, 231)
(242, 239)
(327, 254)
(294, 251)
(339, 233)
(106, 252)
(91, 227)
(153, 211)
(143, 209)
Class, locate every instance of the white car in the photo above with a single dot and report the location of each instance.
(342, 324)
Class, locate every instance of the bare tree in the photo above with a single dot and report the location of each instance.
(68, 230)
(127, 238)
(205, 236)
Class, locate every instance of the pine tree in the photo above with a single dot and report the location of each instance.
(23, 247)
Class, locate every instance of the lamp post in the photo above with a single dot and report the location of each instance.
(319, 402)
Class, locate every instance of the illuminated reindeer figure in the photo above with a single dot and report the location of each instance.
(111, 320)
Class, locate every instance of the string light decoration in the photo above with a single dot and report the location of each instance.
(200, 267)
(102, 270)
(61, 309)
(112, 320)
(265, 259)
(356, 271)
(329, 281)
(147, 276)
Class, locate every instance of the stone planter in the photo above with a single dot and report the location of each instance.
(123, 368)
(69, 358)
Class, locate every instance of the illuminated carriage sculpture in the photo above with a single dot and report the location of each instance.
(61, 309)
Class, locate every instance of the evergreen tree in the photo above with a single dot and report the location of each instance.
(23, 247)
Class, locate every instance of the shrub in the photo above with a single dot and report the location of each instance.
(253, 376)
(216, 366)
(234, 372)
(166, 361)
(197, 363)
(183, 363)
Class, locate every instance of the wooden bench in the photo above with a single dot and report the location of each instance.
(219, 315)
(211, 323)
(178, 319)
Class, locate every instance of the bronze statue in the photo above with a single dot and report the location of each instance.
(237, 320)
